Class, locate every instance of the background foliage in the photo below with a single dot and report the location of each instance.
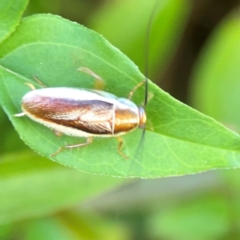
(196, 60)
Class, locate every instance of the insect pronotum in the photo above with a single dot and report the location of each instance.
(83, 112)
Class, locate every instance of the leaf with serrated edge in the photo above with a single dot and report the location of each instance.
(179, 140)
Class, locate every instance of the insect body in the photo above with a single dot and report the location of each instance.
(83, 113)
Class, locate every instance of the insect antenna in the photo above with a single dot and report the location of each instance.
(146, 51)
(146, 57)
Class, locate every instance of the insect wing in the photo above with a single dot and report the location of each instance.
(91, 116)
(88, 114)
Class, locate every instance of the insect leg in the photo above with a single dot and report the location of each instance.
(89, 141)
(135, 88)
(57, 133)
(79, 145)
(99, 82)
(39, 82)
(30, 85)
(120, 144)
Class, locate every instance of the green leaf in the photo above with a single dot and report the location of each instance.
(32, 186)
(71, 225)
(179, 140)
(216, 79)
(191, 216)
(48, 229)
(9, 137)
(10, 14)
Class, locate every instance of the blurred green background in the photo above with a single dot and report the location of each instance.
(194, 54)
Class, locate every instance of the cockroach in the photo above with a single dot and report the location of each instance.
(87, 113)
(83, 112)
